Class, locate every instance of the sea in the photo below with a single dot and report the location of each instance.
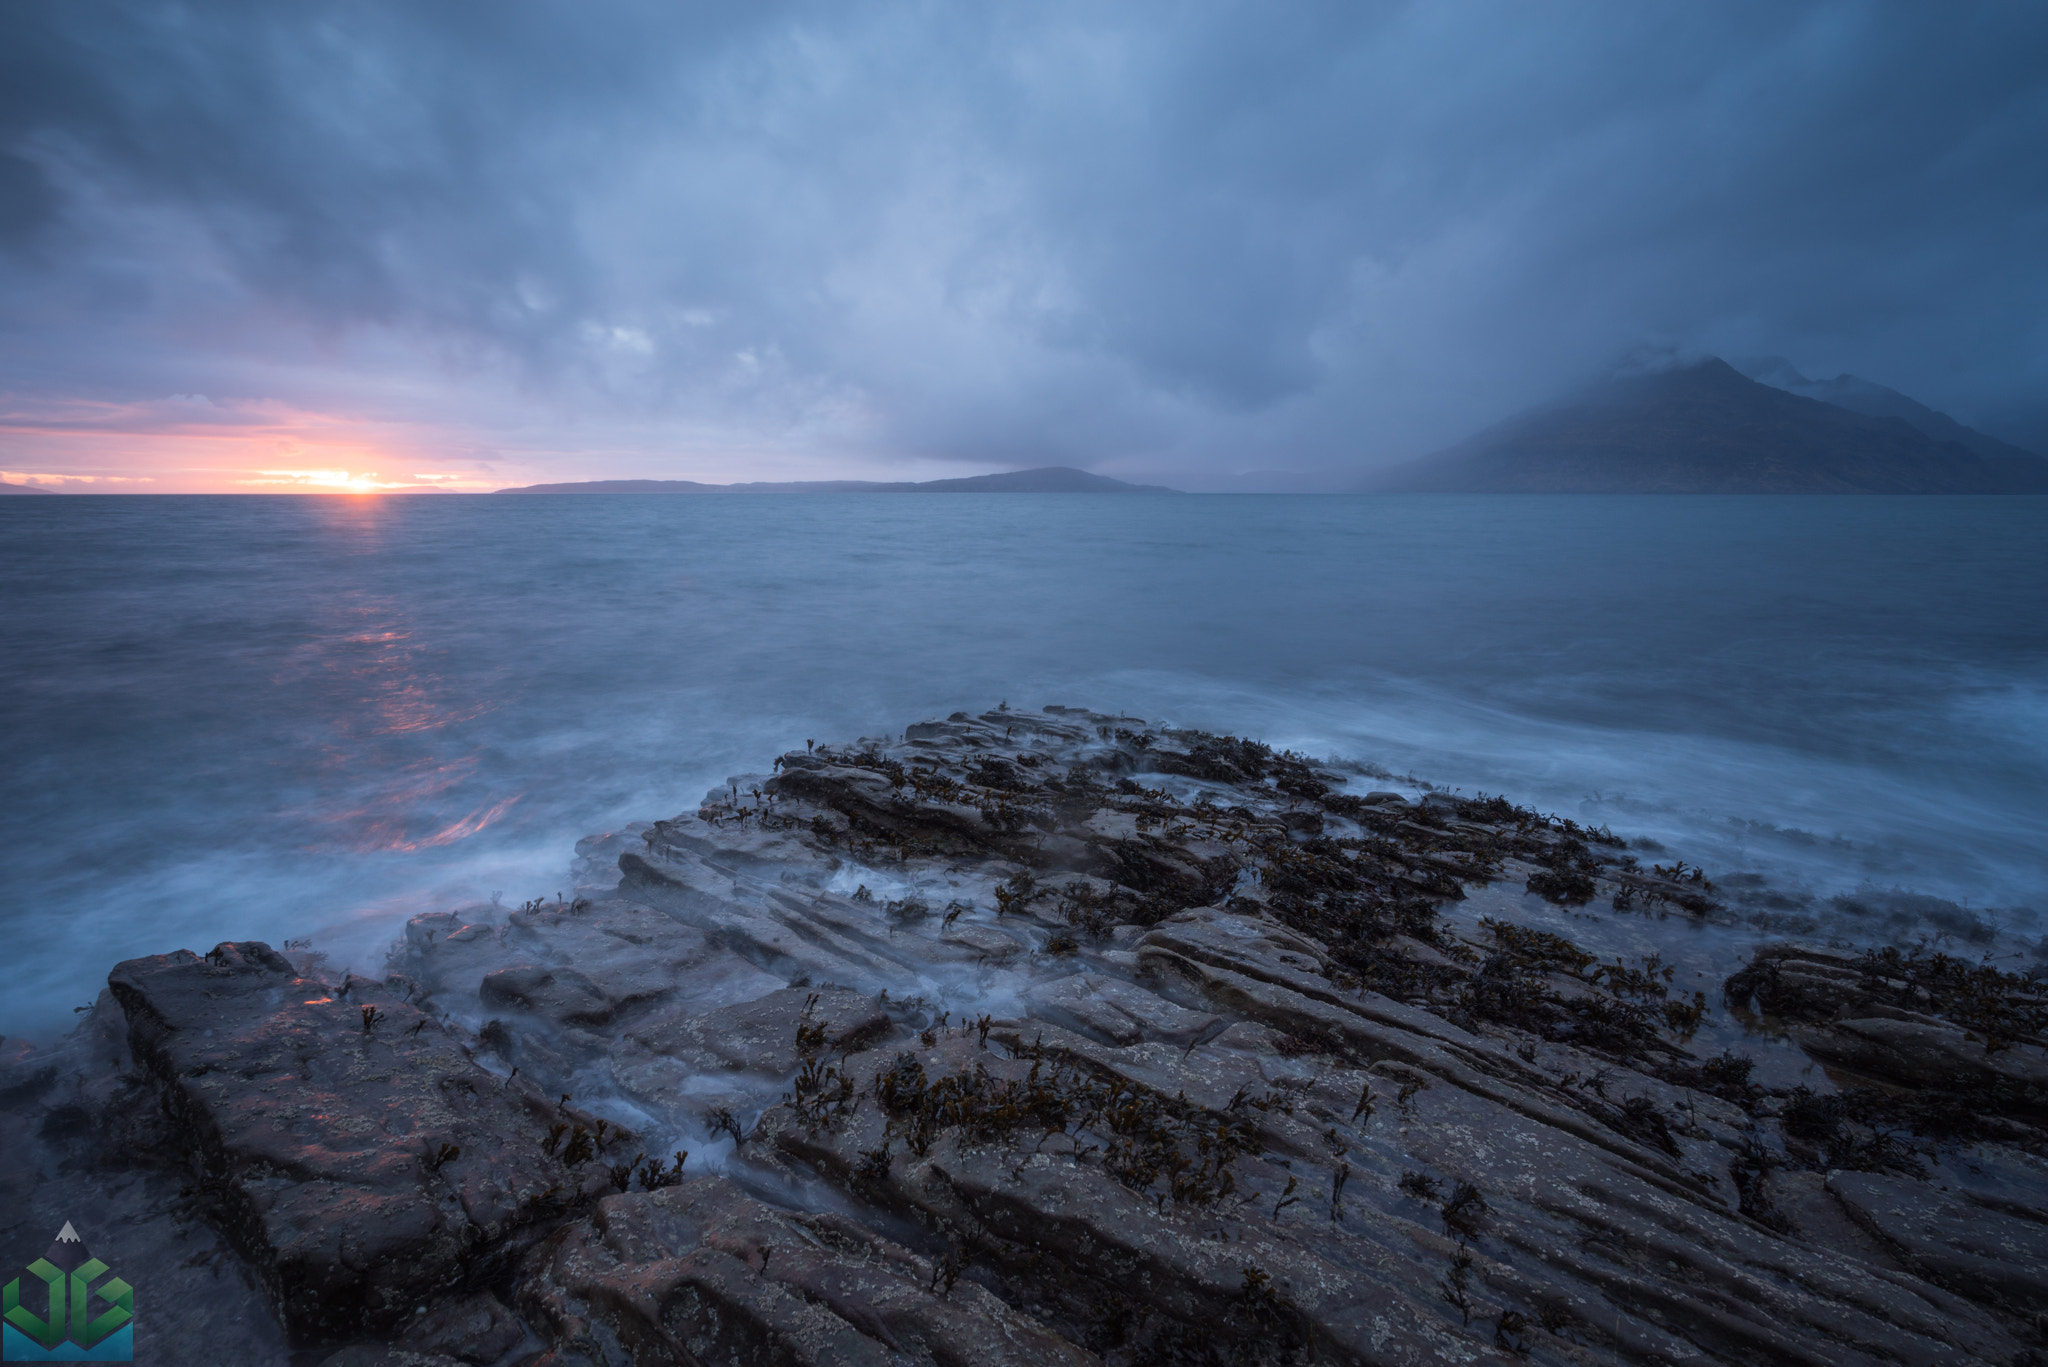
(309, 718)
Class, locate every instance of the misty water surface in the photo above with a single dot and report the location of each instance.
(284, 717)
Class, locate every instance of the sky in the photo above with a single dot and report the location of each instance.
(257, 247)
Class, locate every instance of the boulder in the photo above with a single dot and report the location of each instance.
(351, 1149)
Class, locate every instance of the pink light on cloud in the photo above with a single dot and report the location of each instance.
(189, 443)
(48, 479)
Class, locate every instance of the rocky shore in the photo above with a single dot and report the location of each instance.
(1057, 1037)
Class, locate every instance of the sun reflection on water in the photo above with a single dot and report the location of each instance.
(388, 768)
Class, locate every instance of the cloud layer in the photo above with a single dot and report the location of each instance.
(509, 243)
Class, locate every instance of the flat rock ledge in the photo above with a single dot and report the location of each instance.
(1057, 1037)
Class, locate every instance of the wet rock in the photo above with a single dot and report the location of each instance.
(1986, 1255)
(1913, 1019)
(375, 1356)
(351, 1149)
(1117, 1012)
(1102, 1041)
(476, 1328)
(761, 1036)
(562, 995)
(1922, 1054)
(1083, 1218)
(703, 1273)
(604, 956)
(1796, 982)
(985, 943)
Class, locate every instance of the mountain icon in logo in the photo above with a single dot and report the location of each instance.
(67, 1251)
(67, 1329)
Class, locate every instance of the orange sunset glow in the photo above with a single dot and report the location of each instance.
(192, 444)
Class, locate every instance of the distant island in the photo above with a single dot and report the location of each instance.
(1707, 428)
(6, 488)
(1051, 479)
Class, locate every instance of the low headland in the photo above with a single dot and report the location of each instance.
(1058, 1037)
(1048, 479)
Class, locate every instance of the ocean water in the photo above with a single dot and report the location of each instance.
(311, 717)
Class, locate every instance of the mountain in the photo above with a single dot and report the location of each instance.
(23, 489)
(1881, 401)
(1052, 479)
(1705, 428)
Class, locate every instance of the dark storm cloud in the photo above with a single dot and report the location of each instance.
(1178, 238)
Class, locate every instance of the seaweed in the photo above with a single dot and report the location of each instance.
(1537, 949)
(1836, 1131)
(1570, 885)
(1639, 1118)
(1508, 992)
(1464, 1211)
(1750, 1170)
(906, 910)
(1149, 1142)
(1088, 912)
(723, 1121)
(946, 1270)
(1420, 1186)
(820, 1094)
(1508, 1329)
(871, 1173)
(1971, 1110)
(1259, 1327)
(1016, 892)
(1455, 1290)
(655, 1175)
(1308, 1039)
(1287, 1197)
(2000, 1008)
(1277, 1329)
(1726, 1077)
(1650, 984)
(1219, 759)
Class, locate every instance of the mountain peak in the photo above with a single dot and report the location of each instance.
(1704, 427)
(1775, 371)
(67, 1252)
(1875, 400)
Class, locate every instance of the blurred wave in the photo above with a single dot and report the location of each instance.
(309, 717)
